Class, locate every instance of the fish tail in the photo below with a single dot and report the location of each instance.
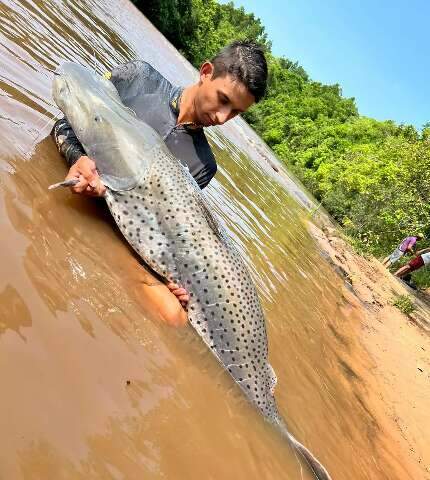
(315, 465)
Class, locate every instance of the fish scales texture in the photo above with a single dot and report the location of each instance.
(167, 220)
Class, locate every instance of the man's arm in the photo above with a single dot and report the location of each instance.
(81, 166)
(67, 142)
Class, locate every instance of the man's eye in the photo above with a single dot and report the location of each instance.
(223, 100)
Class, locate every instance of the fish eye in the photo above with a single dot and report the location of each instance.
(97, 118)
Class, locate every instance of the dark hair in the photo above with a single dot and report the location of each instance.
(245, 61)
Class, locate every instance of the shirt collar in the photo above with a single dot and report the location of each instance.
(174, 101)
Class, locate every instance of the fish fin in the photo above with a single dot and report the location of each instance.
(315, 465)
(273, 378)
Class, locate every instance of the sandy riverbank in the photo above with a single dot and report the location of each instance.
(397, 384)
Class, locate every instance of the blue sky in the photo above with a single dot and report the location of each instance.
(378, 51)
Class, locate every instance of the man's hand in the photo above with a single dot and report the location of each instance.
(89, 181)
(180, 293)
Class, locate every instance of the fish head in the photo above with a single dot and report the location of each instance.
(122, 146)
(80, 94)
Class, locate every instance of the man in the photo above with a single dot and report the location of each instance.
(228, 85)
(407, 246)
(421, 260)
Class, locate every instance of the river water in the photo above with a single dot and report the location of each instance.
(91, 386)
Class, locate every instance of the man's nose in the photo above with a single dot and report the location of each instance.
(222, 116)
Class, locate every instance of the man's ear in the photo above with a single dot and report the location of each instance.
(206, 71)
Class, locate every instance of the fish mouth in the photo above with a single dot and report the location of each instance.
(60, 91)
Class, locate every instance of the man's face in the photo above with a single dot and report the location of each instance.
(221, 99)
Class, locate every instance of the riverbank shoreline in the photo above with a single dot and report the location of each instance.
(398, 345)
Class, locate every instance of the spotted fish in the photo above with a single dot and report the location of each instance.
(166, 218)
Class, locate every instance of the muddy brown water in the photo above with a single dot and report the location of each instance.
(91, 386)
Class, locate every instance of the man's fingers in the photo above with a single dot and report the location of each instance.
(180, 293)
(182, 297)
(100, 189)
(85, 167)
(95, 191)
(79, 187)
(92, 189)
(91, 176)
(89, 181)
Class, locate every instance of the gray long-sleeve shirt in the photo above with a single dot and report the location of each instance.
(155, 101)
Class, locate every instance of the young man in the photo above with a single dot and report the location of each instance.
(228, 85)
(421, 260)
(407, 246)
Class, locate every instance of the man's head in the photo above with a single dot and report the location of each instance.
(419, 236)
(230, 83)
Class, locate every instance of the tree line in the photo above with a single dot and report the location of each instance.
(372, 176)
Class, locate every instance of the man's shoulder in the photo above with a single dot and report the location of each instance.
(136, 68)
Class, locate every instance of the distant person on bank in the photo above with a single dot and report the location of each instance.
(407, 247)
(422, 259)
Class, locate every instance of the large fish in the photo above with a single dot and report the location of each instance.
(166, 218)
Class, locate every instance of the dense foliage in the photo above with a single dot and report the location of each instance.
(372, 176)
(200, 28)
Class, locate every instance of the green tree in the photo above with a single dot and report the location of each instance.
(200, 28)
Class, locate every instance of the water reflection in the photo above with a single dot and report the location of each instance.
(14, 313)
